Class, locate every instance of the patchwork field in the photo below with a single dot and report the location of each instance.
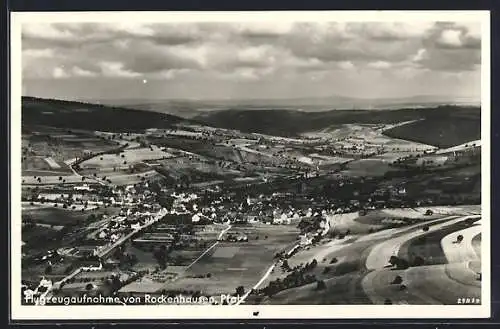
(240, 263)
(367, 135)
(126, 157)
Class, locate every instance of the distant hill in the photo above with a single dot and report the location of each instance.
(443, 130)
(80, 115)
(188, 108)
(465, 121)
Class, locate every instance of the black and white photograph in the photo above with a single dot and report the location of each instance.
(250, 165)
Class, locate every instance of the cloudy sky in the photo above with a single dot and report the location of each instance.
(250, 60)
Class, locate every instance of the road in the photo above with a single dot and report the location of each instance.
(211, 247)
(106, 251)
(257, 285)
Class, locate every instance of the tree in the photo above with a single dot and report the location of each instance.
(240, 291)
(460, 238)
(89, 286)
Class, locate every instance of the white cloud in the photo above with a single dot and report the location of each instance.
(115, 69)
(451, 38)
(420, 55)
(346, 65)
(59, 73)
(379, 65)
(76, 71)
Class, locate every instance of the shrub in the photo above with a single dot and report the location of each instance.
(240, 291)
(334, 260)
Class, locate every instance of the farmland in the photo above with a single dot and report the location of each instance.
(234, 264)
(124, 159)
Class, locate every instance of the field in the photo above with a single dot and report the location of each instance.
(356, 269)
(366, 136)
(124, 159)
(196, 170)
(240, 263)
(204, 148)
(129, 179)
(48, 151)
